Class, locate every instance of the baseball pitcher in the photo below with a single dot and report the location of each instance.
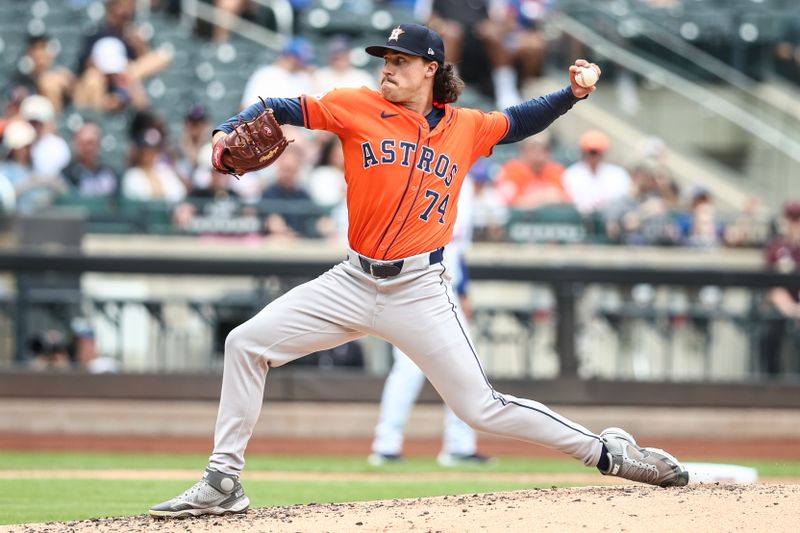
(407, 150)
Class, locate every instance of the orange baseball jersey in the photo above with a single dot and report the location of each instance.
(403, 180)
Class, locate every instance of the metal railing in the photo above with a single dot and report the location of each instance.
(690, 90)
(633, 26)
(585, 320)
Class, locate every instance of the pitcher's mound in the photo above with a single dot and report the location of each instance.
(636, 508)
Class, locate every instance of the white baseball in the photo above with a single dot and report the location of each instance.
(586, 77)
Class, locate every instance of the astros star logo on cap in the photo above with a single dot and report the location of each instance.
(396, 33)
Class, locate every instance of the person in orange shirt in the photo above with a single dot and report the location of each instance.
(407, 151)
(533, 179)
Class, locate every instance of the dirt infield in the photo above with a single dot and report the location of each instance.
(632, 508)
(772, 505)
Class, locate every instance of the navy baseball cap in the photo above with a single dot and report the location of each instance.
(412, 39)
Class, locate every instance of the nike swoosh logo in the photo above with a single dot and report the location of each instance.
(384, 114)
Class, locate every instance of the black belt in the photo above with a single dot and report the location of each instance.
(384, 270)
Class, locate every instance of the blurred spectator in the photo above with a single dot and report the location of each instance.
(326, 184)
(668, 188)
(13, 95)
(50, 153)
(249, 10)
(196, 132)
(783, 256)
(213, 207)
(592, 183)
(49, 351)
(340, 71)
(787, 51)
(700, 226)
(32, 190)
(119, 24)
(328, 190)
(8, 198)
(489, 213)
(642, 217)
(748, 229)
(114, 62)
(37, 73)
(505, 31)
(151, 177)
(18, 137)
(86, 174)
(107, 85)
(521, 23)
(207, 183)
(671, 192)
(143, 121)
(289, 208)
(228, 10)
(533, 179)
(83, 349)
(652, 148)
(654, 155)
(288, 77)
(149, 119)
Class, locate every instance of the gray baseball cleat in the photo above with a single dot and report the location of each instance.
(647, 465)
(216, 494)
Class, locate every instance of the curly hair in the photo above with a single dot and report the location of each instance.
(447, 86)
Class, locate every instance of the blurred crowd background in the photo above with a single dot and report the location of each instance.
(108, 107)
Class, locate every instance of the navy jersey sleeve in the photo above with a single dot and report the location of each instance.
(287, 111)
(532, 116)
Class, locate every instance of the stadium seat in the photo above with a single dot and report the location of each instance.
(560, 223)
(151, 216)
(91, 205)
(351, 17)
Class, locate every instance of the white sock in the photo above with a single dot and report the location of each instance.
(505, 86)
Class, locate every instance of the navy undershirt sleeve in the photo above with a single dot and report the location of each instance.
(532, 116)
(287, 111)
(526, 119)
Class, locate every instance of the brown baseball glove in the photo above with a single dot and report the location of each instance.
(252, 145)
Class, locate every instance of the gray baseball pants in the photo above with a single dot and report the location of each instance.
(416, 312)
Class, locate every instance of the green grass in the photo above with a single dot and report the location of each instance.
(80, 499)
(774, 468)
(103, 461)
(90, 498)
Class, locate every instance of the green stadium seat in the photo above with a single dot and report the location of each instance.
(91, 205)
(555, 223)
(595, 224)
(101, 213)
(152, 216)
